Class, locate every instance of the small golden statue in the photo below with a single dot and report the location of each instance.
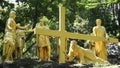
(100, 46)
(43, 44)
(20, 42)
(9, 42)
(84, 56)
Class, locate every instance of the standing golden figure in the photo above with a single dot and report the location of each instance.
(20, 42)
(100, 46)
(43, 44)
(9, 42)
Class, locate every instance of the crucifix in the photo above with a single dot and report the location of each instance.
(63, 35)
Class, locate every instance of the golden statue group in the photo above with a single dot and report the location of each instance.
(9, 42)
(14, 41)
(86, 56)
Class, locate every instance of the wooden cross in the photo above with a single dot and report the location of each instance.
(63, 35)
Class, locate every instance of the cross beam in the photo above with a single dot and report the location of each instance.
(57, 33)
(63, 35)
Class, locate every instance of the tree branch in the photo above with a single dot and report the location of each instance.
(29, 48)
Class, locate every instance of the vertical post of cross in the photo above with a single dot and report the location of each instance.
(62, 39)
(62, 18)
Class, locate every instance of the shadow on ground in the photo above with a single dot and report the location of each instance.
(31, 63)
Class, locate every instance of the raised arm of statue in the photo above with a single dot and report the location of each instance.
(31, 30)
(22, 27)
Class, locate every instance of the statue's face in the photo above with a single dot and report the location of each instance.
(41, 23)
(14, 16)
(98, 22)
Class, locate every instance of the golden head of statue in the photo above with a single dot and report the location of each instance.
(12, 14)
(98, 22)
(41, 22)
(73, 44)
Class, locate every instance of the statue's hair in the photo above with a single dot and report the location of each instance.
(98, 19)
